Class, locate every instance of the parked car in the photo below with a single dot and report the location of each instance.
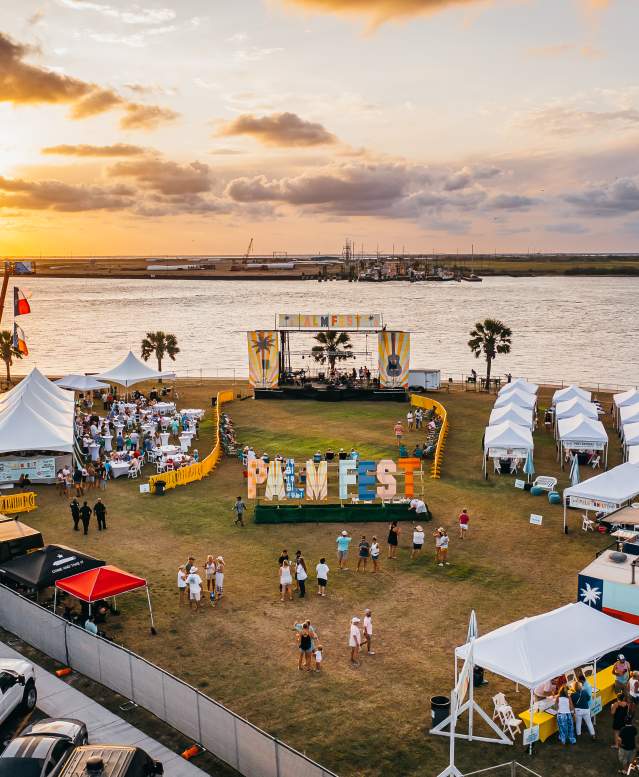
(17, 686)
(42, 748)
(110, 761)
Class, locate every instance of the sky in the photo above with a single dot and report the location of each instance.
(430, 125)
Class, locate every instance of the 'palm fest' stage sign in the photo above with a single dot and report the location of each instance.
(366, 480)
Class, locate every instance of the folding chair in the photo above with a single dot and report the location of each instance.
(587, 524)
(500, 704)
(510, 722)
(497, 466)
(596, 462)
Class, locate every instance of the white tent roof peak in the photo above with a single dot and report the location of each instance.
(508, 435)
(630, 433)
(80, 383)
(629, 414)
(570, 392)
(626, 398)
(619, 485)
(533, 650)
(132, 370)
(23, 429)
(516, 397)
(580, 427)
(575, 406)
(36, 381)
(521, 384)
(515, 413)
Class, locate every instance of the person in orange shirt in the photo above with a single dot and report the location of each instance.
(399, 432)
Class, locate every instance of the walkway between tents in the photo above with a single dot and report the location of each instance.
(59, 700)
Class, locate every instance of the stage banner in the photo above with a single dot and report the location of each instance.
(331, 321)
(263, 356)
(394, 358)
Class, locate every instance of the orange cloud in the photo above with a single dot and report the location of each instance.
(278, 129)
(166, 177)
(85, 150)
(380, 11)
(24, 84)
(16, 193)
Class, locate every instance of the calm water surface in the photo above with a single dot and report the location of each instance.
(581, 329)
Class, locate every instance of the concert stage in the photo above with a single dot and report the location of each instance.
(333, 394)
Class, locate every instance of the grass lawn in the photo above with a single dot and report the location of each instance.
(370, 721)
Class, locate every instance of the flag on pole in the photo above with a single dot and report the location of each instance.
(19, 342)
(20, 303)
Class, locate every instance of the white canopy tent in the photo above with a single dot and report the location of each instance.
(581, 433)
(131, 371)
(36, 381)
(606, 492)
(54, 411)
(629, 414)
(633, 454)
(507, 440)
(630, 434)
(80, 383)
(516, 397)
(570, 392)
(630, 397)
(23, 429)
(521, 384)
(523, 416)
(575, 406)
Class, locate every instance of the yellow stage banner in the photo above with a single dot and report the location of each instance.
(263, 355)
(394, 358)
(351, 321)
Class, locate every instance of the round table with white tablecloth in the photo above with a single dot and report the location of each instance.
(164, 408)
(119, 468)
(107, 442)
(164, 439)
(94, 451)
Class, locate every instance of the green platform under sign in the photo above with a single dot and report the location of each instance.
(336, 513)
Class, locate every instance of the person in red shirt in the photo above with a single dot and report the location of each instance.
(464, 520)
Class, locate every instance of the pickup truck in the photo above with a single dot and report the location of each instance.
(17, 686)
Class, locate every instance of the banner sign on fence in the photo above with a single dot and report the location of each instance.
(531, 735)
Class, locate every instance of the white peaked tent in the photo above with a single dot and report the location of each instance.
(80, 383)
(520, 384)
(131, 371)
(581, 433)
(630, 434)
(630, 397)
(575, 406)
(633, 454)
(507, 440)
(570, 392)
(523, 416)
(23, 429)
(628, 414)
(54, 411)
(516, 397)
(606, 492)
(36, 381)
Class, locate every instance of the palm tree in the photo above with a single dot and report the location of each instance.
(333, 347)
(160, 344)
(489, 338)
(7, 351)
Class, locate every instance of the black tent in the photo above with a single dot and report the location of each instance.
(17, 538)
(43, 567)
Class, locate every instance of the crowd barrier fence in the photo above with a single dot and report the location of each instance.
(23, 502)
(426, 403)
(249, 750)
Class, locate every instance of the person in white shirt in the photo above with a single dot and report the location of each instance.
(181, 583)
(443, 548)
(354, 641)
(322, 576)
(194, 582)
(418, 541)
(409, 420)
(318, 658)
(368, 631)
(418, 505)
(375, 554)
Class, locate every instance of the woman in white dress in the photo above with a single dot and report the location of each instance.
(209, 570)
(286, 580)
(219, 577)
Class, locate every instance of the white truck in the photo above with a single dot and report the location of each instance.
(17, 686)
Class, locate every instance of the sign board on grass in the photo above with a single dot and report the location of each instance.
(531, 735)
(520, 483)
(536, 520)
(145, 488)
(596, 705)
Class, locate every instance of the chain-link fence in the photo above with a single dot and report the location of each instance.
(246, 748)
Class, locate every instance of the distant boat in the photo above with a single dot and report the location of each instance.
(472, 278)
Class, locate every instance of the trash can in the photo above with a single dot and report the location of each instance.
(478, 676)
(159, 487)
(213, 401)
(439, 709)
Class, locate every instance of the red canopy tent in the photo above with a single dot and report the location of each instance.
(102, 583)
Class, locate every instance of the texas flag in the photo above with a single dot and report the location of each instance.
(20, 303)
(19, 342)
(619, 600)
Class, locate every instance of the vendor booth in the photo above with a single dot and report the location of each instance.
(520, 384)
(575, 406)
(533, 651)
(606, 492)
(17, 539)
(581, 433)
(132, 370)
(629, 414)
(506, 442)
(516, 397)
(630, 434)
(44, 567)
(624, 399)
(522, 416)
(571, 392)
(105, 582)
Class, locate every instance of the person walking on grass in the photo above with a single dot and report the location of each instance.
(398, 429)
(239, 508)
(581, 698)
(317, 654)
(620, 711)
(286, 581)
(209, 573)
(283, 557)
(364, 553)
(627, 746)
(410, 420)
(375, 554)
(75, 513)
(220, 566)
(305, 644)
(194, 582)
(443, 548)
(322, 571)
(354, 641)
(181, 584)
(464, 521)
(100, 511)
(343, 541)
(564, 717)
(393, 539)
(301, 573)
(368, 631)
(418, 541)
(85, 517)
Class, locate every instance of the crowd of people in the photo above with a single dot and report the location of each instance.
(428, 424)
(191, 586)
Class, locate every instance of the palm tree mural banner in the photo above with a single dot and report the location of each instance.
(263, 356)
(394, 358)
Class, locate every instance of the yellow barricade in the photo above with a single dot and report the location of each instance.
(184, 475)
(18, 503)
(426, 403)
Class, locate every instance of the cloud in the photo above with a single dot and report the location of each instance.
(511, 202)
(24, 84)
(558, 50)
(379, 11)
(135, 40)
(166, 177)
(225, 151)
(278, 129)
(567, 228)
(58, 196)
(617, 198)
(255, 54)
(137, 15)
(561, 120)
(84, 150)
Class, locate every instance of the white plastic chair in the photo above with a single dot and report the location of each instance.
(134, 471)
(500, 704)
(587, 524)
(496, 466)
(571, 677)
(510, 722)
(596, 462)
(160, 467)
(588, 670)
(545, 482)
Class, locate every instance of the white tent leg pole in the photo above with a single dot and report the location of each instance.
(532, 712)
(456, 672)
(148, 597)
(564, 514)
(471, 700)
(55, 598)
(594, 681)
